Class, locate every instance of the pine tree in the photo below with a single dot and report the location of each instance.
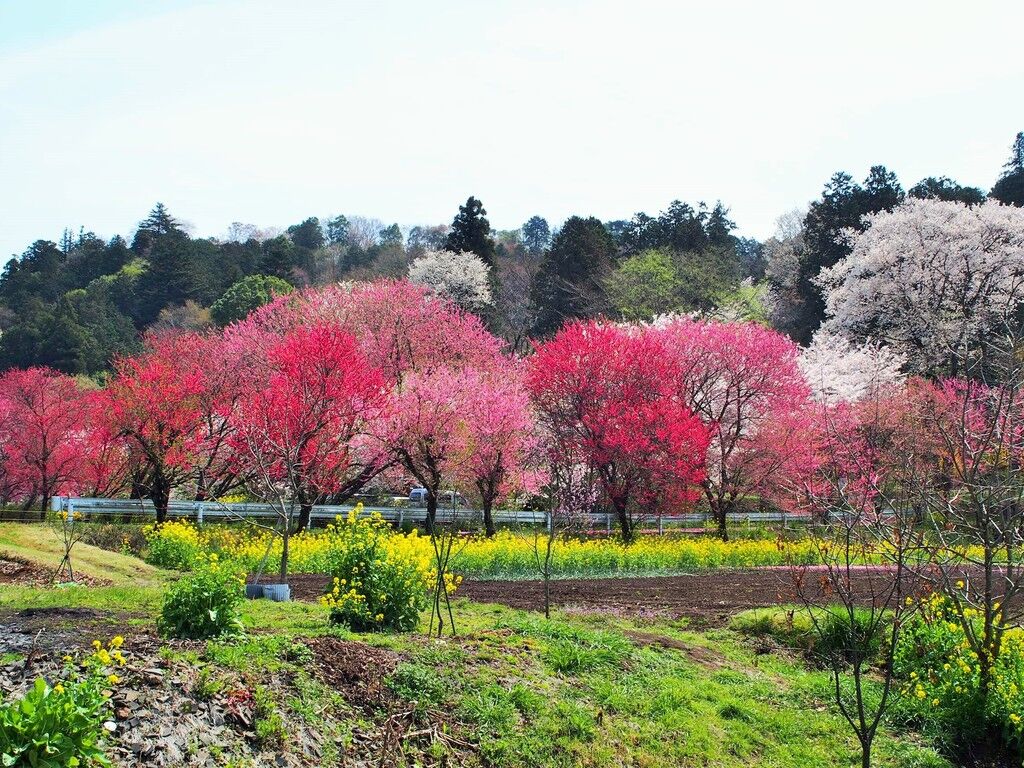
(569, 282)
(1010, 187)
(536, 235)
(472, 232)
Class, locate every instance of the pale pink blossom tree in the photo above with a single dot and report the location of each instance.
(744, 383)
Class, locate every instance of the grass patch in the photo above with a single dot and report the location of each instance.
(596, 690)
(39, 544)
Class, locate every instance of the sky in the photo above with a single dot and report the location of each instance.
(267, 112)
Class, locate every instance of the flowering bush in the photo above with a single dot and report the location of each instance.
(381, 581)
(204, 603)
(62, 725)
(174, 544)
(940, 676)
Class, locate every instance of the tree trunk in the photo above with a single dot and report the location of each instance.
(720, 511)
(431, 510)
(284, 555)
(625, 524)
(305, 511)
(160, 497)
(489, 528)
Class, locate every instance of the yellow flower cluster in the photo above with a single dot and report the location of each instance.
(945, 670)
(110, 653)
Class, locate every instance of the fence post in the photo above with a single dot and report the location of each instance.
(547, 516)
(199, 513)
(608, 523)
(661, 526)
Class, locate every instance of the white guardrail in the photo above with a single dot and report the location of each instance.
(201, 511)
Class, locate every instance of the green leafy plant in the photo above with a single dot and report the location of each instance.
(204, 604)
(61, 725)
(380, 581)
(940, 677)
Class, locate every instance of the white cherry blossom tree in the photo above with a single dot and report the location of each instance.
(932, 280)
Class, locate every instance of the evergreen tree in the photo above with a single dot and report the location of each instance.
(391, 237)
(536, 235)
(472, 232)
(680, 228)
(569, 283)
(308, 234)
(279, 257)
(842, 206)
(336, 230)
(1010, 187)
(944, 188)
(159, 221)
(719, 226)
(158, 224)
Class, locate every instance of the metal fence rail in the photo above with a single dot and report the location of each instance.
(202, 511)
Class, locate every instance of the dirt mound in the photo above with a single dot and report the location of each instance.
(305, 586)
(355, 670)
(14, 571)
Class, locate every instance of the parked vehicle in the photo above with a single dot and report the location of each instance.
(445, 500)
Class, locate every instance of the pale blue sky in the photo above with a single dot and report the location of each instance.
(270, 111)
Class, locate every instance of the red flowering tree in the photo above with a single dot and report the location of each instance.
(45, 433)
(606, 393)
(154, 404)
(106, 460)
(294, 427)
(230, 362)
(745, 384)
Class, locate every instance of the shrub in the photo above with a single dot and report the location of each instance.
(62, 725)
(381, 581)
(939, 677)
(205, 603)
(126, 538)
(832, 637)
(174, 544)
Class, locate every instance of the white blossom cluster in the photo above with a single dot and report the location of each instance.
(839, 370)
(930, 279)
(462, 277)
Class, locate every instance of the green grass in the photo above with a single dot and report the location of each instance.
(39, 544)
(597, 691)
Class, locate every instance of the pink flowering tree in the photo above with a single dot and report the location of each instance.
(498, 439)
(410, 335)
(107, 458)
(745, 384)
(45, 433)
(606, 393)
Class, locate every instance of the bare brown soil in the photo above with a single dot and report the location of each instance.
(356, 670)
(19, 572)
(710, 597)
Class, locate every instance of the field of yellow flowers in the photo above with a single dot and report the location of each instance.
(179, 544)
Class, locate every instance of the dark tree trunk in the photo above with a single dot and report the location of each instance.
(489, 528)
(431, 510)
(625, 524)
(305, 511)
(160, 496)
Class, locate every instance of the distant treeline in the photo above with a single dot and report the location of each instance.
(78, 304)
